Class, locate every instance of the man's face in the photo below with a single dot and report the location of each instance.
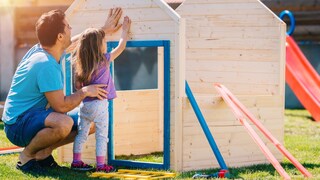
(66, 35)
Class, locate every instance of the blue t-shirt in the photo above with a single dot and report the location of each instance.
(37, 73)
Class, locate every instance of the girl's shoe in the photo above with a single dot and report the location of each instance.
(105, 168)
(81, 166)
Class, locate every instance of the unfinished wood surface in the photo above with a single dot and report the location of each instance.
(139, 111)
(151, 20)
(242, 50)
(179, 81)
(137, 126)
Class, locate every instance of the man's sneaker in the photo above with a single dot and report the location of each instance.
(81, 166)
(49, 162)
(105, 168)
(31, 167)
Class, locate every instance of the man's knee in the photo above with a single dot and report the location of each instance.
(61, 124)
(65, 125)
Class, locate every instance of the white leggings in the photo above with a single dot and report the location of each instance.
(93, 111)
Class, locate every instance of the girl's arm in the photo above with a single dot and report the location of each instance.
(110, 26)
(123, 40)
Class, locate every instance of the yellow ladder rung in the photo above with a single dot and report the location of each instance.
(115, 175)
(134, 174)
(145, 172)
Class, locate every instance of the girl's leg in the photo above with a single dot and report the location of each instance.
(101, 141)
(101, 122)
(83, 132)
(85, 118)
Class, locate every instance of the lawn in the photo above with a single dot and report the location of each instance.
(302, 139)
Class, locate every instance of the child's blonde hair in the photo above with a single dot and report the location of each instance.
(89, 54)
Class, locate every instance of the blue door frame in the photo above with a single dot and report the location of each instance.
(166, 133)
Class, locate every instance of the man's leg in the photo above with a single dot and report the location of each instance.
(57, 128)
(42, 154)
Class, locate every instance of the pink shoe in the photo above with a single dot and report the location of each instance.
(105, 168)
(81, 166)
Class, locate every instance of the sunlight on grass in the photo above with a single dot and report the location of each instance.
(302, 139)
(156, 157)
(4, 142)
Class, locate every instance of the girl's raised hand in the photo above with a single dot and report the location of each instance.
(126, 24)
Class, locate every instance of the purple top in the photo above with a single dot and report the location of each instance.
(103, 76)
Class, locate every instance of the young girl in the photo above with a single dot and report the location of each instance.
(92, 67)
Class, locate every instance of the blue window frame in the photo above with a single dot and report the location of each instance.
(166, 133)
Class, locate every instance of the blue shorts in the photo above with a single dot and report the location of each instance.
(28, 125)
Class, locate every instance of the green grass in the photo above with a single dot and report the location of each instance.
(155, 157)
(4, 142)
(302, 139)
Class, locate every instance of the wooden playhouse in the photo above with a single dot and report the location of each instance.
(238, 43)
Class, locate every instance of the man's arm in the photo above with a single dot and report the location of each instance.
(110, 26)
(62, 104)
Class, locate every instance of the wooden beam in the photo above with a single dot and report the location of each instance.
(179, 92)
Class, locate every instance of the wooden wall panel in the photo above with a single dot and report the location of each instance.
(150, 21)
(238, 44)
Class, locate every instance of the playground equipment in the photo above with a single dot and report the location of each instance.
(202, 41)
(221, 174)
(9, 150)
(302, 78)
(240, 111)
(135, 174)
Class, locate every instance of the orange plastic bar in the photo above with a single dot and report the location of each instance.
(9, 148)
(253, 134)
(266, 132)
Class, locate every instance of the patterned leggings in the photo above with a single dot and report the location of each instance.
(93, 111)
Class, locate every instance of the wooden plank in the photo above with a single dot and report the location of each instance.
(166, 8)
(282, 60)
(239, 54)
(194, 65)
(216, 117)
(161, 94)
(102, 4)
(179, 82)
(233, 77)
(212, 21)
(234, 20)
(232, 32)
(139, 27)
(246, 88)
(232, 139)
(190, 2)
(216, 102)
(136, 14)
(253, 9)
(260, 44)
(238, 129)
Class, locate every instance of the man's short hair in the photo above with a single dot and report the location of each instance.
(48, 26)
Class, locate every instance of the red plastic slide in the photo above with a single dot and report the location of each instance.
(303, 78)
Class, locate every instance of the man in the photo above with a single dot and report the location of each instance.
(38, 81)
